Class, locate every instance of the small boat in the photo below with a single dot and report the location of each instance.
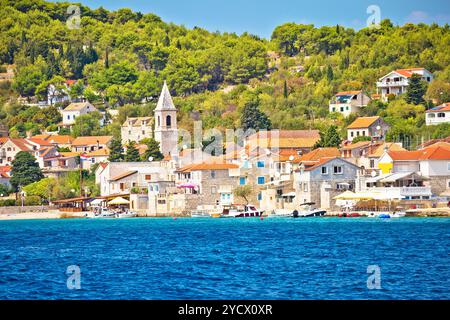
(247, 211)
(384, 216)
(280, 213)
(127, 214)
(308, 211)
(200, 214)
(104, 213)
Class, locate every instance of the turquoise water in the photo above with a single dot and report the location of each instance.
(225, 258)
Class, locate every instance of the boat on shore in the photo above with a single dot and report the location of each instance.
(280, 213)
(307, 210)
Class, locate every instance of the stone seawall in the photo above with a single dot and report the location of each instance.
(26, 209)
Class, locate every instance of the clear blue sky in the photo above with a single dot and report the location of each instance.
(262, 16)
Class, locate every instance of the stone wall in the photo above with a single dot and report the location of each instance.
(26, 209)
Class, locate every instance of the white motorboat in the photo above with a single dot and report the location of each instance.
(200, 214)
(103, 213)
(308, 210)
(127, 214)
(246, 211)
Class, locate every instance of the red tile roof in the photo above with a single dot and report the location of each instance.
(319, 153)
(348, 93)
(408, 72)
(208, 166)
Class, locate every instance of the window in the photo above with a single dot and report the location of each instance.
(352, 134)
(372, 163)
(324, 170)
(92, 160)
(357, 133)
(364, 133)
(338, 170)
(448, 166)
(259, 196)
(213, 174)
(242, 181)
(441, 115)
(122, 186)
(431, 115)
(213, 190)
(305, 187)
(168, 121)
(260, 164)
(261, 180)
(148, 177)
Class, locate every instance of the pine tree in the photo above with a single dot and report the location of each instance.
(115, 151)
(330, 74)
(153, 151)
(285, 90)
(132, 154)
(416, 90)
(253, 118)
(329, 139)
(25, 170)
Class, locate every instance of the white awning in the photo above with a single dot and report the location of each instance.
(288, 195)
(378, 178)
(396, 176)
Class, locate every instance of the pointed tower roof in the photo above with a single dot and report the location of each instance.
(165, 101)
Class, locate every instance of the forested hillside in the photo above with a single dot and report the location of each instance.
(122, 58)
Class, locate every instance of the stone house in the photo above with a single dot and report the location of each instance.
(321, 182)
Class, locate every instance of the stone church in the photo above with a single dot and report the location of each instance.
(165, 125)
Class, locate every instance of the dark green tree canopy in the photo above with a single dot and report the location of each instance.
(25, 170)
(416, 90)
(116, 150)
(132, 154)
(329, 138)
(253, 118)
(152, 151)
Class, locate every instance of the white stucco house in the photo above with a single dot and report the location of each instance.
(74, 110)
(348, 102)
(396, 82)
(438, 115)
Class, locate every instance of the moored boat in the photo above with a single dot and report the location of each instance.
(308, 211)
(246, 211)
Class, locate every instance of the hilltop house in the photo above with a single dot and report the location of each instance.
(373, 127)
(438, 115)
(90, 143)
(136, 129)
(396, 82)
(59, 95)
(322, 181)
(74, 110)
(348, 102)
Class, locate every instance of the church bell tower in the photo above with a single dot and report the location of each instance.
(166, 131)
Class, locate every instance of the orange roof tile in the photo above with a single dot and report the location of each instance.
(319, 153)
(442, 108)
(208, 166)
(438, 151)
(405, 155)
(348, 93)
(91, 140)
(99, 153)
(363, 122)
(408, 72)
(359, 144)
(379, 151)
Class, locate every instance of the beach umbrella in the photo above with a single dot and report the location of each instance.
(118, 201)
(347, 195)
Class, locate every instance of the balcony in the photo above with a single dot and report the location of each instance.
(402, 192)
(402, 83)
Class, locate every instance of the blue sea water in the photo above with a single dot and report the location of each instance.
(322, 258)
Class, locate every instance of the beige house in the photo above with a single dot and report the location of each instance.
(90, 143)
(372, 127)
(136, 129)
